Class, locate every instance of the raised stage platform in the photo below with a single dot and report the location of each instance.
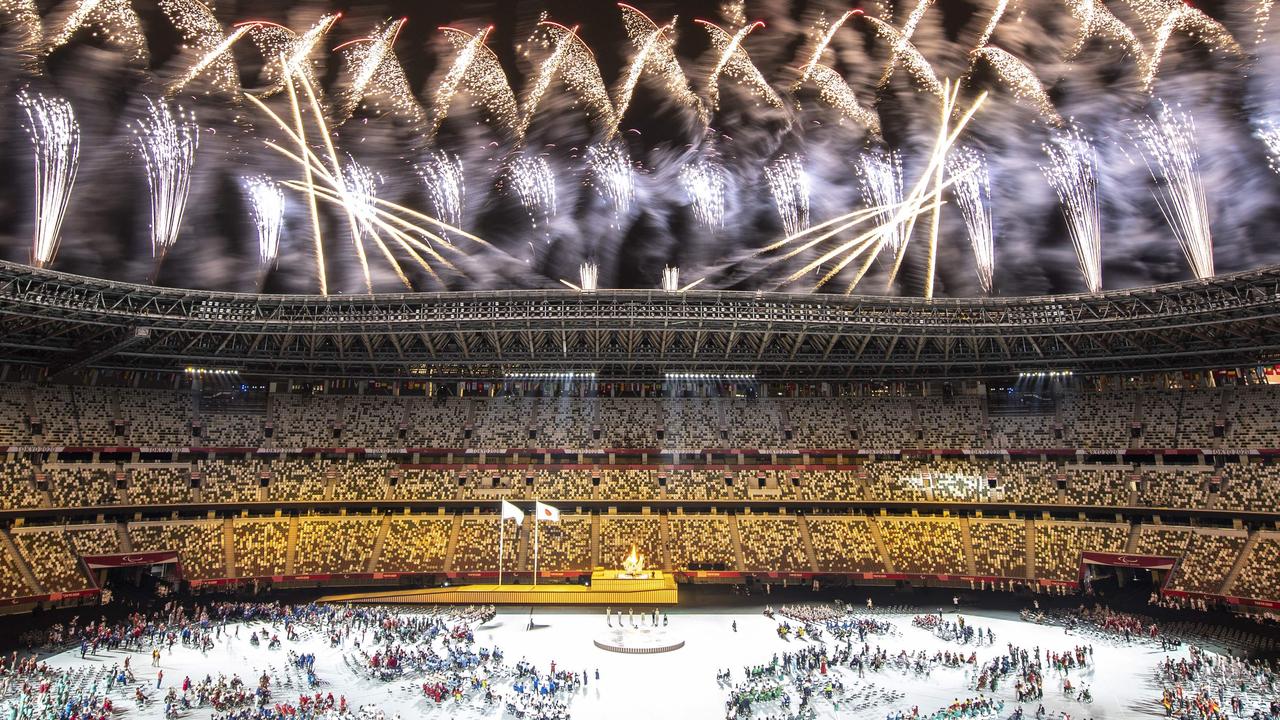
(608, 587)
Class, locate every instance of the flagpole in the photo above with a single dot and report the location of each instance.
(535, 542)
(502, 538)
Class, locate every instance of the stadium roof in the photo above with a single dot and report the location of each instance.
(66, 323)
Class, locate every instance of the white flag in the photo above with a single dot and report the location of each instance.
(546, 513)
(511, 511)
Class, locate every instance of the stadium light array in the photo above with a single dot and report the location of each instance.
(211, 371)
(567, 375)
(1044, 374)
(710, 376)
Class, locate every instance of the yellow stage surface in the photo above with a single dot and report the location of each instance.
(608, 587)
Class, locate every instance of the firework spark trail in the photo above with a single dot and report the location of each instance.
(529, 176)
(1269, 134)
(358, 189)
(881, 180)
(972, 191)
(266, 208)
(834, 91)
(997, 14)
(902, 47)
(610, 174)
(167, 142)
(1186, 19)
(655, 53)
(1261, 17)
(201, 31)
(26, 17)
(1021, 80)
(1072, 172)
(823, 40)
(546, 73)
(706, 184)
(376, 73)
(789, 186)
(115, 20)
(735, 63)
(285, 52)
(576, 66)
(920, 69)
(55, 137)
(477, 70)
(1098, 21)
(1173, 158)
(446, 185)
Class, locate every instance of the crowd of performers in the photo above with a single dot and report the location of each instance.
(438, 647)
(958, 631)
(979, 707)
(1205, 686)
(1027, 671)
(1102, 620)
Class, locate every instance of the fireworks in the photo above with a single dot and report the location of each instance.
(1021, 80)
(655, 53)
(285, 53)
(446, 185)
(266, 208)
(358, 193)
(1168, 145)
(1072, 171)
(972, 191)
(834, 91)
(573, 62)
(706, 183)
(377, 76)
(167, 142)
(1269, 134)
(477, 70)
(902, 47)
(919, 68)
(735, 63)
(589, 275)
(24, 15)
(202, 32)
(113, 20)
(1183, 18)
(671, 281)
(924, 197)
(610, 174)
(789, 186)
(55, 136)
(1097, 21)
(529, 176)
(881, 176)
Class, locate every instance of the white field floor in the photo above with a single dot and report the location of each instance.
(679, 684)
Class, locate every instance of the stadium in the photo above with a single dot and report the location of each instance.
(533, 370)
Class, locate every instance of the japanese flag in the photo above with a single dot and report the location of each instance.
(511, 511)
(546, 513)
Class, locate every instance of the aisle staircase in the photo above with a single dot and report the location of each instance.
(970, 564)
(1031, 549)
(664, 539)
(291, 547)
(738, 563)
(1241, 559)
(20, 564)
(807, 541)
(229, 547)
(1135, 533)
(383, 529)
(874, 527)
(451, 553)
